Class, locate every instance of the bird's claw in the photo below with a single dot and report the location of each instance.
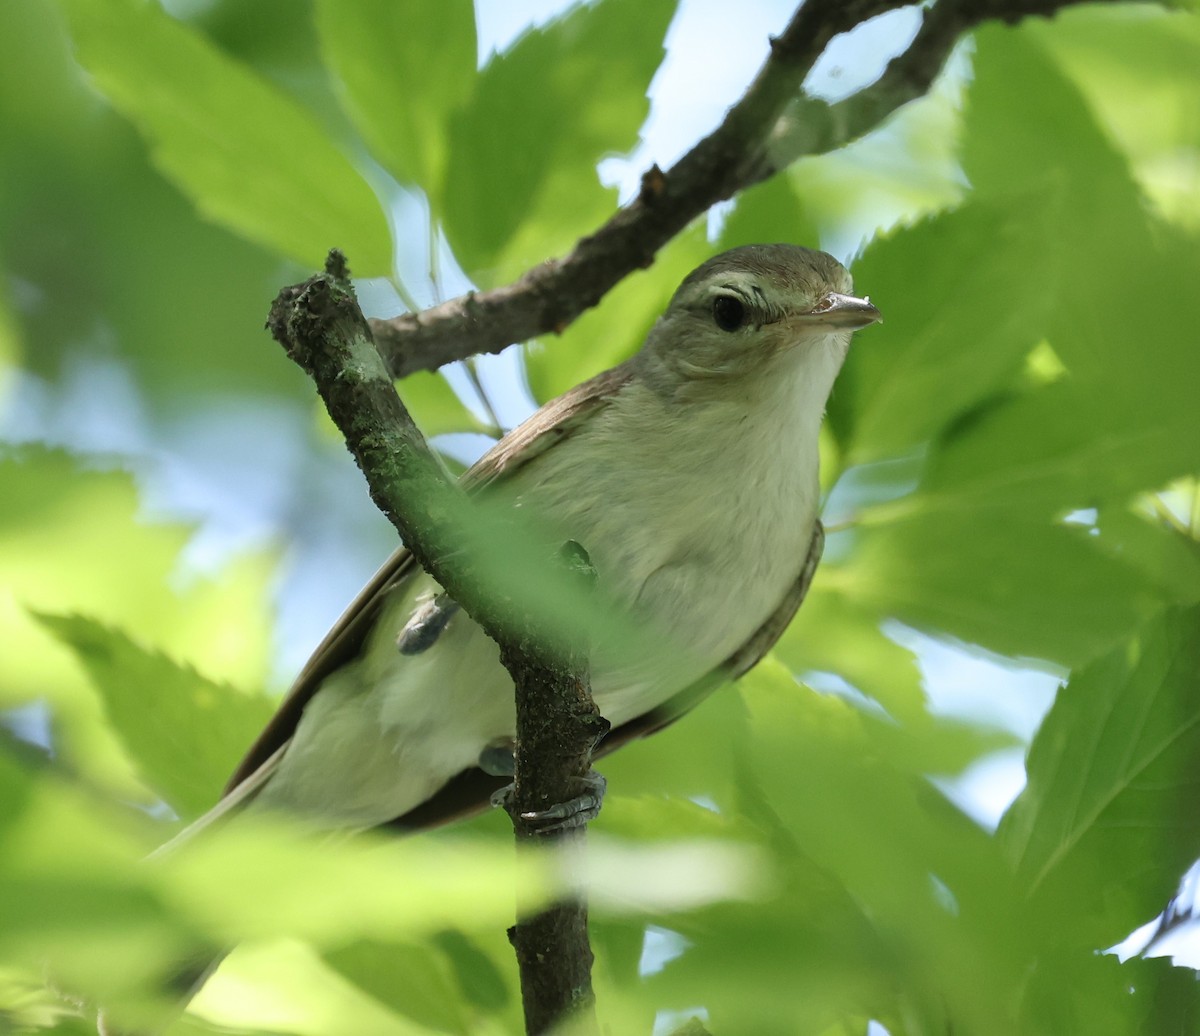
(562, 816)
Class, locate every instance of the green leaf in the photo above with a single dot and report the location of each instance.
(481, 981)
(1028, 129)
(964, 296)
(1129, 62)
(769, 212)
(1126, 419)
(860, 833)
(10, 346)
(1169, 561)
(1102, 832)
(76, 909)
(412, 979)
(74, 540)
(403, 69)
(835, 634)
(435, 406)
(244, 153)
(521, 180)
(615, 329)
(185, 733)
(269, 878)
(1017, 585)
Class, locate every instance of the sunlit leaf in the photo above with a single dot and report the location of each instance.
(73, 541)
(1101, 834)
(403, 70)
(412, 979)
(184, 732)
(229, 139)
(1128, 61)
(611, 332)
(964, 297)
(579, 88)
(435, 406)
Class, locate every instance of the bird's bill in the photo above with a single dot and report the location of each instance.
(841, 312)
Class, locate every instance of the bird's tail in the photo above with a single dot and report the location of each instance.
(232, 803)
(189, 978)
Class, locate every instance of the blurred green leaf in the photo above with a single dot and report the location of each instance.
(1102, 832)
(264, 878)
(73, 540)
(955, 330)
(229, 139)
(799, 962)
(436, 408)
(1129, 62)
(185, 733)
(479, 978)
(849, 790)
(1169, 560)
(1027, 129)
(1016, 585)
(769, 212)
(835, 634)
(695, 757)
(612, 331)
(75, 908)
(411, 979)
(1123, 422)
(403, 70)
(109, 266)
(10, 348)
(578, 86)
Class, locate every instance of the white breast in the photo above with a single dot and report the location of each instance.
(697, 522)
(698, 526)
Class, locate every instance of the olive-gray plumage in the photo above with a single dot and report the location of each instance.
(689, 475)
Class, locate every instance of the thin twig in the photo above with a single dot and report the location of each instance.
(551, 295)
(769, 128)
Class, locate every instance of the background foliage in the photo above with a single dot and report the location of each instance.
(1011, 463)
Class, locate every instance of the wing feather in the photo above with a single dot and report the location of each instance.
(471, 790)
(548, 427)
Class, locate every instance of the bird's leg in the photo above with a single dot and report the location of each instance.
(578, 810)
(499, 759)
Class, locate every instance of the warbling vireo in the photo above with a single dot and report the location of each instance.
(688, 474)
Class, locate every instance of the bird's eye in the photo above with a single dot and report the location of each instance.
(728, 312)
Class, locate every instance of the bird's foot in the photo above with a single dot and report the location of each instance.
(578, 810)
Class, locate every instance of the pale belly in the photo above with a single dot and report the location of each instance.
(386, 732)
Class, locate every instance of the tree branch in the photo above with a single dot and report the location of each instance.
(557, 728)
(771, 126)
(320, 325)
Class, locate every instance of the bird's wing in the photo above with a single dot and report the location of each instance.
(470, 791)
(551, 425)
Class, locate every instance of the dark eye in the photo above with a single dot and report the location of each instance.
(728, 312)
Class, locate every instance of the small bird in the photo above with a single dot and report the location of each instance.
(689, 476)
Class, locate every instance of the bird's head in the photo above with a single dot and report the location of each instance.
(748, 310)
